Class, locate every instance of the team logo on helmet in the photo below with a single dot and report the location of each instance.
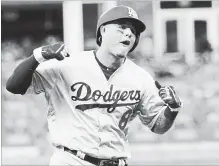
(132, 13)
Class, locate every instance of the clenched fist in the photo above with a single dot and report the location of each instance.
(54, 51)
(169, 96)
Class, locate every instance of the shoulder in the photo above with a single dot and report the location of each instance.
(138, 72)
(74, 60)
(77, 58)
(143, 77)
(82, 55)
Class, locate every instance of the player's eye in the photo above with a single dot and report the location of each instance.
(120, 28)
(133, 31)
(123, 26)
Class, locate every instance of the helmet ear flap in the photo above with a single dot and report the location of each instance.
(136, 42)
(100, 39)
(99, 36)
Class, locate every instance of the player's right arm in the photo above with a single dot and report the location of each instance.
(22, 76)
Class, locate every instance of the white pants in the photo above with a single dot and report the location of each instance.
(62, 158)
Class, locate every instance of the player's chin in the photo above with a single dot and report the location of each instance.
(121, 53)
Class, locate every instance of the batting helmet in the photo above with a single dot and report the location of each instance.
(117, 13)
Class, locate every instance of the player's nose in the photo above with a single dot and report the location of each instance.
(127, 31)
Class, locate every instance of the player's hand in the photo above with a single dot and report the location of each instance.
(168, 95)
(54, 51)
(57, 51)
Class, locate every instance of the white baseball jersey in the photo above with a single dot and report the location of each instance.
(87, 112)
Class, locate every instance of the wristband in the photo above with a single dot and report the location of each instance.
(38, 55)
(168, 113)
(174, 109)
(178, 108)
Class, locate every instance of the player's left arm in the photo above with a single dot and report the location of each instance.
(158, 107)
(167, 116)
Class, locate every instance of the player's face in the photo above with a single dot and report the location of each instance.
(118, 37)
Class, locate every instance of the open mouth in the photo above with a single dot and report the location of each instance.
(126, 42)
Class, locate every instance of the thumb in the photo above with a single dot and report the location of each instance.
(158, 85)
(68, 55)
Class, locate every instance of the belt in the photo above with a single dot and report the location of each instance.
(96, 161)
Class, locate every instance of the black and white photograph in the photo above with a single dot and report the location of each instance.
(109, 82)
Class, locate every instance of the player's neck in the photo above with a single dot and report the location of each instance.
(108, 59)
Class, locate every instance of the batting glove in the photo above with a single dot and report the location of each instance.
(169, 96)
(54, 51)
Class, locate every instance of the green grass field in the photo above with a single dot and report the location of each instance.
(196, 153)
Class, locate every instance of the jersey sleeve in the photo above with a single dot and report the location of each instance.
(44, 77)
(151, 105)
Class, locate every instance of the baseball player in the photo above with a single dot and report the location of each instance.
(93, 96)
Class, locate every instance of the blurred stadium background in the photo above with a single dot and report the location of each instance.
(180, 47)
